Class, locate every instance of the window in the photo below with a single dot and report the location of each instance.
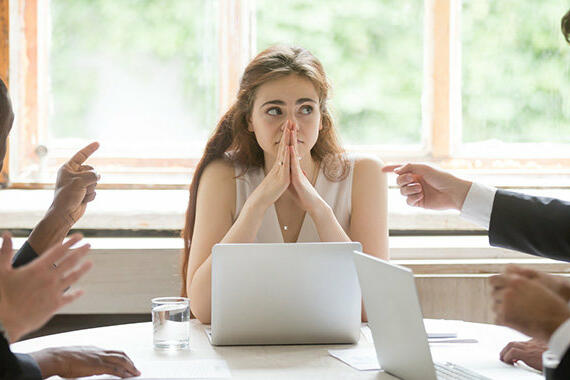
(515, 77)
(372, 51)
(460, 83)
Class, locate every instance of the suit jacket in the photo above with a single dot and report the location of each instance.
(18, 366)
(562, 372)
(536, 225)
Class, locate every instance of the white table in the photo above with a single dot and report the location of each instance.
(289, 362)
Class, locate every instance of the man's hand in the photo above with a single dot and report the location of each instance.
(31, 294)
(427, 187)
(557, 284)
(529, 352)
(72, 362)
(74, 188)
(527, 306)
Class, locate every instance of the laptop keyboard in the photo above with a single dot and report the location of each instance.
(450, 371)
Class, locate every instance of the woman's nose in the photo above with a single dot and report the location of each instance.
(292, 123)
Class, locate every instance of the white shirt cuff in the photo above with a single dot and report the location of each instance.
(560, 340)
(479, 204)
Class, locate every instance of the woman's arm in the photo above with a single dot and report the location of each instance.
(369, 217)
(328, 227)
(215, 207)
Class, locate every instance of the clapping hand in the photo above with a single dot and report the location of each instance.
(527, 306)
(558, 285)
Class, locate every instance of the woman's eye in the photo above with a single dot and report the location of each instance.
(306, 110)
(274, 111)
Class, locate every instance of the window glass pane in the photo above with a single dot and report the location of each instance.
(516, 70)
(140, 76)
(372, 52)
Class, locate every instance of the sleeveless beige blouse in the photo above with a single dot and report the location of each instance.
(336, 194)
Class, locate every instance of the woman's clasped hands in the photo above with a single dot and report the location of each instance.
(287, 174)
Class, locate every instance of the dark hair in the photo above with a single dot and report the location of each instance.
(5, 106)
(6, 119)
(231, 139)
(565, 26)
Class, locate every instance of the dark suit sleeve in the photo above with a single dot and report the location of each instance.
(8, 362)
(18, 366)
(24, 255)
(562, 372)
(535, 225)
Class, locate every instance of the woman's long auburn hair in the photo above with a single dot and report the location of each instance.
(231, 139)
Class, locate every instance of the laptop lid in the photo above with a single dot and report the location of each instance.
(300, 293)
(395, 318)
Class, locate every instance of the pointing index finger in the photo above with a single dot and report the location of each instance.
(390, 168)
(80, 157)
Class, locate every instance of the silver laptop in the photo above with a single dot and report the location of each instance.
(396, 321)
(301, 293)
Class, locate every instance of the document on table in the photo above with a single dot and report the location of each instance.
(179, 369)
(437, 332)
(362, 359)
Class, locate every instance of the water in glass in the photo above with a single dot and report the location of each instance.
(171, 322)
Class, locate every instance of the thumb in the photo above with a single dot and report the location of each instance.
(6, 251)
(515, 269)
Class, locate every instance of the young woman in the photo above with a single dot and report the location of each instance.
(274, 171)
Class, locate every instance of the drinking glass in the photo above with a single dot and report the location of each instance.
(171, 322)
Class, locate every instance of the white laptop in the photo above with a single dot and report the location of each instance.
(301, 293)
(395, 319)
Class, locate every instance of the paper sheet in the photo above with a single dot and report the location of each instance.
(435, 334)
(440, 328)
(362, 359)
(179, 369)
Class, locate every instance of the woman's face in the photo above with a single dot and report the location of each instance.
(291, 98)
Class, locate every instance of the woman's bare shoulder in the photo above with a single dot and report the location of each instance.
(366, 164)
(219, 170)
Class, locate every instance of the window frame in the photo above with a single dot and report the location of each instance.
(441, 94)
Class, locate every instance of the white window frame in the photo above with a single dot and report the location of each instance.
(441, 99)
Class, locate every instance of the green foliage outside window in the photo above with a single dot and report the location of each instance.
(516, 71)
(372, 52)
(515, 63)
(89, 36)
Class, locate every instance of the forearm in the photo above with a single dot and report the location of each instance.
(51, 230)
(328, 227)
(200, 291)
(48, 363)
(244, 229)
(564, 291)
(13, 327)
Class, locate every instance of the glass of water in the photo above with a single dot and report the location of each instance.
(171, 322)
